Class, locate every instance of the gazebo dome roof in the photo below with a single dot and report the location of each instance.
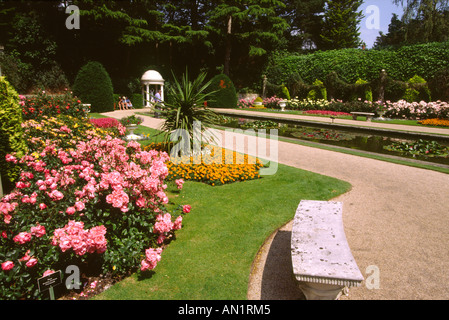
(152, 76)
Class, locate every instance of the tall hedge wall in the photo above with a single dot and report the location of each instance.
(424, 60)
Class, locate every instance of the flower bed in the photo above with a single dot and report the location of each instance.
(219, 167)
(84, 198)
(435, 122)
(327, 113)
(417, 110)
(42, 104)
(109, 123)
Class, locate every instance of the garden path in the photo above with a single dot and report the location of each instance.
(395, 218)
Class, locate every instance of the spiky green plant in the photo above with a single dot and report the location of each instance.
(186, 107)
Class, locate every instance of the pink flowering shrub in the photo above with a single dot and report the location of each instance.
(96, 201)
(417, 110)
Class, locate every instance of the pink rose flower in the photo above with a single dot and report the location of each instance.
(178, 223)
(48, 272)
(8, 265)
(32, 262)
(186, 208)
(42, 206)
(38, 231)
(22, 237)
(79, 206)
(179, 183)
(70, 210)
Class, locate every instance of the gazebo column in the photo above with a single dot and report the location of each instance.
(148, 95)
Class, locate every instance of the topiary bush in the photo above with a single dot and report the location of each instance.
(94, 86)
(417, 90)
(11, 134)
(319, 92)
(223, 91)
(363, 90)
(285, 94)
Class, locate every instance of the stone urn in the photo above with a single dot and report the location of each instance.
(282, 105)
(381, 113)
(131, 136)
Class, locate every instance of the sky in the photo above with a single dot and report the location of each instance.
(377, 20)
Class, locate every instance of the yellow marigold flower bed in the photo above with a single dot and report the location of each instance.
(435, 122)
(219, 167)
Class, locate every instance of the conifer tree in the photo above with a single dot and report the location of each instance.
(341, 24)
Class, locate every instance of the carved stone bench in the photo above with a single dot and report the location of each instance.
(321, 258)
(368, 115)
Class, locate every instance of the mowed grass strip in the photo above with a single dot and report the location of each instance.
(212, 254)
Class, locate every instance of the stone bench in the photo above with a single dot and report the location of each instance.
(322, 261)
(368, 115)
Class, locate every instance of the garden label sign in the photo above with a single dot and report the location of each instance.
(48, 282)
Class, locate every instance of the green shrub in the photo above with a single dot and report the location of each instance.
(285, 94)
(94, 86)
(352, 64)
(417, 90)
(439, 85)
(224, 94)
(363, 90)
(319, 92)
(11, 134)
(137, 100)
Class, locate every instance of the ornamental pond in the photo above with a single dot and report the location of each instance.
(406, 145)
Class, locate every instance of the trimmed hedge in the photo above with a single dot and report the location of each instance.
(94, 86)
(424, 60)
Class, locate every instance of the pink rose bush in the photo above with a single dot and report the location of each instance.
(83, 197)
(417, 110)
(73, 236)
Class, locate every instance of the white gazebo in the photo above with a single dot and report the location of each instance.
(151, 81)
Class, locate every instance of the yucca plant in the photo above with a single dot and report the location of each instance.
(187, 106)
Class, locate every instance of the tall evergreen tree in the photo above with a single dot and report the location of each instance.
(304, 18)
(246, 31)
(341, 24)
(395, 35)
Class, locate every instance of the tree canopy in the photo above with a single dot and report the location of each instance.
(235, 37)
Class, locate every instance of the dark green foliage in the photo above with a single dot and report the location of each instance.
(440, 85)
(225, 95)
(137, 100)
(363, 90)
(340, 26)
(351, 64)
(93, 86)
(11, 134)
(318, 92)
(343, 67)
(417, 90)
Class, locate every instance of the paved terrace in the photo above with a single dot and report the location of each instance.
(395, 218)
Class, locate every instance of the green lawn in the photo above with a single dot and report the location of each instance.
(212, 255)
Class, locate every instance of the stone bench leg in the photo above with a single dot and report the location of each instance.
(368, 118)
(320, 291)
(354, 117)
